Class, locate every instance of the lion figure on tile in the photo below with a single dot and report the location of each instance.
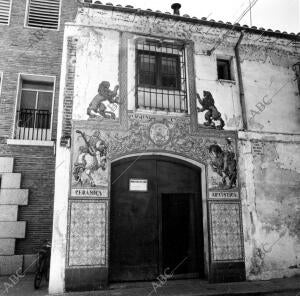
(98, 106)
(212, 114)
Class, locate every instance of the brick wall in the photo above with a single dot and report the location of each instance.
(69, 91)
(31, 51)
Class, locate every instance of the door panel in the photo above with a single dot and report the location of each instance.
(153, 230)
(134, 237)
(181, 232)
(179, 243)
(174, 177)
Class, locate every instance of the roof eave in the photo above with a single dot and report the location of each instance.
(236, 27)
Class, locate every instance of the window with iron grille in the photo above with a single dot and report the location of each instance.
(35, 108)
(160, 76)
(5, 11)
(43, 13)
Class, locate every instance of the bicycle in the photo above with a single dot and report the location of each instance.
(43, 264)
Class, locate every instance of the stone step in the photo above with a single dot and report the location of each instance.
(11, 264)
(10, 180)
(8, 212)
(30, 263)
(7, 246)
(14, 197)
(12, 229)
(6, 164)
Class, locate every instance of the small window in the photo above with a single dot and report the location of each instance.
(161, 76)
(43, 13)
(5, 11)
(35, 110)
(223, 67)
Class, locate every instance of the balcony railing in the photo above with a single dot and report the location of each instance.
(33, 124)
(161, 100)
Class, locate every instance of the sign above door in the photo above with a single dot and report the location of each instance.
(138, 185)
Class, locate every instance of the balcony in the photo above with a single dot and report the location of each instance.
(33, 124)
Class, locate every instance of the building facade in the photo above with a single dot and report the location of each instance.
(179, 145)
(171, 145)
(31, 49)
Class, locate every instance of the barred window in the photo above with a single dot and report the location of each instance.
(161, 76)
(43, 13)
(5, 11)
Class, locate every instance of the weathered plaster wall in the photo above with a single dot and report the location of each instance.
(270, 190)
(266, 67)
(205, 66)
(272, 100)
(225, 93)
(97, 60)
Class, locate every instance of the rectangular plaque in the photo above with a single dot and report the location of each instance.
(138, 185)
(89, 192)
(257, 148)
(223, 194)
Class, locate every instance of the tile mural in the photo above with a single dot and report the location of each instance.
(225, 230)
(87, 233)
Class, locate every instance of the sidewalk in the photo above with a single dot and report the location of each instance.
(282, 287)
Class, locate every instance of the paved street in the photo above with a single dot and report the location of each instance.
(278, 287)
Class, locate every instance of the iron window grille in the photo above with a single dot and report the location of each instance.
(34, 114)
(161, 76)
(43, 13)
(4, 11)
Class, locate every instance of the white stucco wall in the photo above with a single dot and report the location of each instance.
(225, 93)
(97, 60)
(266, 67)
(270, 193)
(271, 97)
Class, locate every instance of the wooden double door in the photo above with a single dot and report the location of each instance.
(156, 219)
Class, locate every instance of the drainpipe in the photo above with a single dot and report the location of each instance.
(296, 68)
(240, 80)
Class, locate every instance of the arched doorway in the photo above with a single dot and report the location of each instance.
(156, 219)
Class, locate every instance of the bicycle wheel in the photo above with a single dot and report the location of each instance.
(37, 279)
(47, 269)
(39, 274)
